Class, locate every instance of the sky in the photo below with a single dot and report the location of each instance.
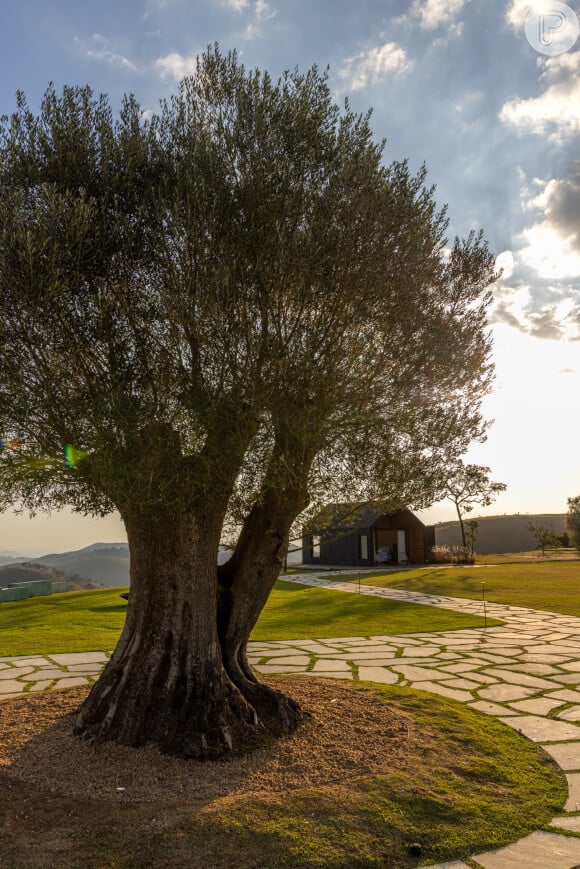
(454, 84)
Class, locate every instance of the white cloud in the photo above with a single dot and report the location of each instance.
(433, 14)
(551, 245)
(370, 67)
(518, 11)
(551, 255)
(263, 10)
(557, 109)
(98, 48)
(175, 65)
(237, 5)
(556, 318)
(505, 262)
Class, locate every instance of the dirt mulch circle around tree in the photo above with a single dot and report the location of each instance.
(351, 733)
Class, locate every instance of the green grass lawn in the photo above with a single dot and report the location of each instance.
(551, 585)
(92, 620)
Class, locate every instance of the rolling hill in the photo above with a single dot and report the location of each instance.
(499, 534)
(31, 571)
(104, 563)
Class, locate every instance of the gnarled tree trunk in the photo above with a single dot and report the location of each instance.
(165, 682)
(175, 679)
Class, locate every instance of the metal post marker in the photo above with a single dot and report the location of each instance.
(484, 609)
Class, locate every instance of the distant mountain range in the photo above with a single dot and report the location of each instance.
(106, 563)
(103, 563)
(500, 534)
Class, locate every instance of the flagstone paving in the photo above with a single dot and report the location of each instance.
(526, 672)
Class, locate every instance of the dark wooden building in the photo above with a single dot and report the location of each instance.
(365, 537)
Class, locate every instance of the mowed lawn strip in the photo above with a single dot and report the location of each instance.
(92, 620)
(552, 586)
(297, 612)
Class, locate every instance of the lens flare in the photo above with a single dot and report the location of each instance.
(72, 456)
(10, 444)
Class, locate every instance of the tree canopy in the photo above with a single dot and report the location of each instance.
(213, 317)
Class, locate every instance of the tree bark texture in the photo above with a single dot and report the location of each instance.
(179, 677)
(246, 581)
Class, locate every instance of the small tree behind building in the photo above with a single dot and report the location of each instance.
(467, 486)
(573, 520)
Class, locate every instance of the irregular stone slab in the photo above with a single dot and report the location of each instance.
(423, 652)
(302, 660)
(505, 693)
(329, 675)
(555, 649)
(364, 656)
(44, 674)
(453, 694)
(71, 683)
(463, 684)
(573, 801)
(377, 674)
(40, 686)
(566, 696)
(544, 729)
(481, 678)
(37, 661)
(330, 666)
(492, 708)
(10, 686)
(546, 659)
(282, 653)
(415, 674)
(538, 851)
(537, 670)
(462, 667)
(372, 662)
(494, 659)
(508, 675)
(564, 823)
(92, 668)
(572, 714)
(573, 666)
(570, 679)
(537, 706)
(272, 668)
(566, 754)
(65, 660)
(15, 672)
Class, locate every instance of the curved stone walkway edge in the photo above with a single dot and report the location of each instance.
(525, 672)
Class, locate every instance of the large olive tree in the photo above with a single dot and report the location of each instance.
(229, 310)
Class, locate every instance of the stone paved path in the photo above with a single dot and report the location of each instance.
(526, 672)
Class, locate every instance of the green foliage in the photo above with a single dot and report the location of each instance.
(545, 537)
(573, 520)
(466, 486)
(230, 293)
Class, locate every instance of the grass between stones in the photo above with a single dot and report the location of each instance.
(549, 585)
(468, 783)
(92, 620)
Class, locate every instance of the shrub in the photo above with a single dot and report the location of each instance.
(452, 555)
